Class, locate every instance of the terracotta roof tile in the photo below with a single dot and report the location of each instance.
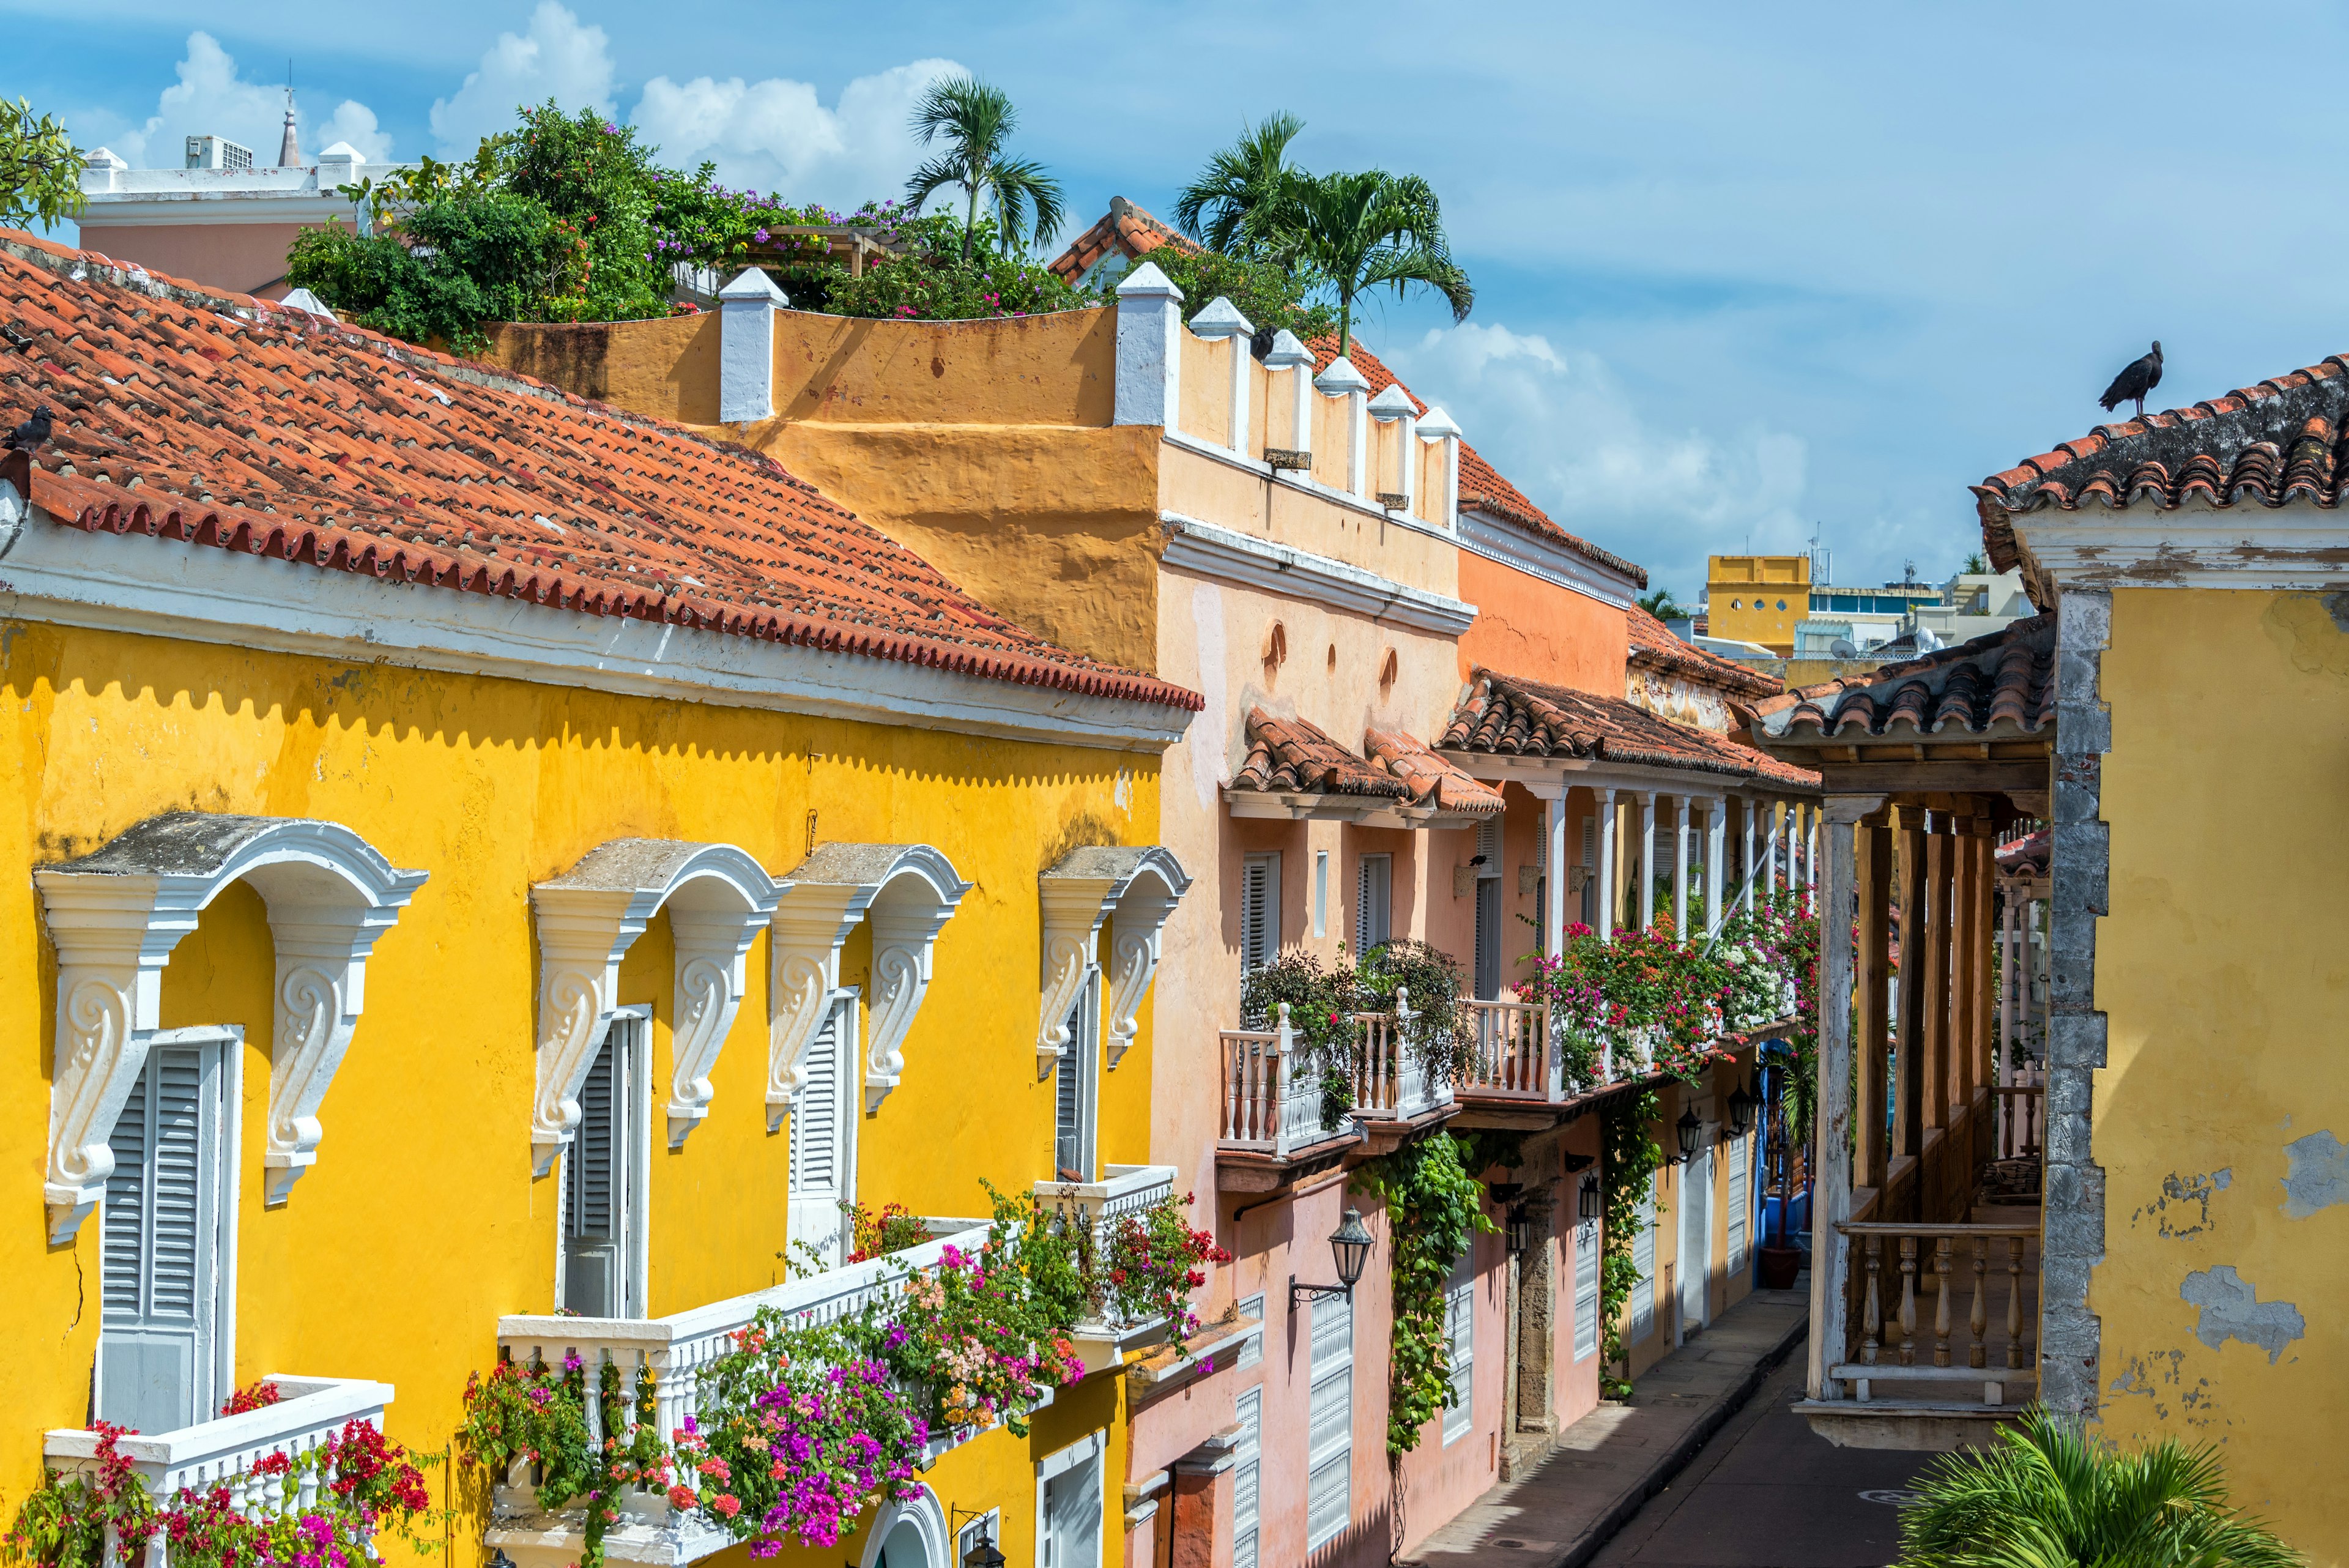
(1482, 488)
(1291, 754)
(1652, 643)
(2030, 852)
(221, 420)
(1432, 779)
(2277, 442)
(2001, 683)
(1125, 228)
(1507, 715)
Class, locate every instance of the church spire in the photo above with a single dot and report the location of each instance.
(289, 155)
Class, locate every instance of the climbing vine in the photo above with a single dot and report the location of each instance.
(1628, 1171)
(1435, 1208)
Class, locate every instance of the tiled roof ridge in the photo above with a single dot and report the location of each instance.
(1482, 487)
(1662, 649)
(1512, 715)
(2001, 677)
(1111, 227)
(2277, 441)
(1286, 752)
(1432, 777)
(139, 400)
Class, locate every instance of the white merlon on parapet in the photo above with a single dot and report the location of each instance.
(1149, 349)
(1395, 404)
(746, 346)
(1340, 379)
(1292, 356)
(1435, 425)
(1222, 321)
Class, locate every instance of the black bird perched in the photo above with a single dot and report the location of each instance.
(32, 432)
(2133, 383)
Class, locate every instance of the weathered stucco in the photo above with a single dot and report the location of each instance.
(2218, 974)
(1540, 631)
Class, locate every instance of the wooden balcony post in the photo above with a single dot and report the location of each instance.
(1831, 1194)
(2014, 1318)
(1870, 1003)
(1909, 1107)
(1965, 1017)
(1554, 872)
(1872, 1310)
(1746, 804)
(1933, 1058)
(1609, 824)
(2007, 977)
(1985, 850)
(1908, 1300)
(1942, 1302)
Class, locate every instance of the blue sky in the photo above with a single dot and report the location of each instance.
(1743, 271)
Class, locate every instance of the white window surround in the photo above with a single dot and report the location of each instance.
(909, 891)
(116, 914)
(927, 1518)
(1086, 1451)
(717, 897)
(1140, 887)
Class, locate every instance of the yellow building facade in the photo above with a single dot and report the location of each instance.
(1757, 598)
(378, 935)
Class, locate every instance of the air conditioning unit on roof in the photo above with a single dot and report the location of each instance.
(218, 152)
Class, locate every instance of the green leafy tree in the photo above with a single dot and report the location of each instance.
(1228, 206)
(2048, 1496)
(1661, 605)
(1369, 231)
(40, 170)
(1272, 296)
(976, 122)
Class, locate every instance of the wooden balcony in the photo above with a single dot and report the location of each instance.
(228, 1450)
(1516, 1075)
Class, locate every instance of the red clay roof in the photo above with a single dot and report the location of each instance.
(196, 415)
(2029, 853)
(1482, 488)
(1432, 779)
(1124, 227)
(1652, 643)
(2003, 681)
(1507, 715)
(2277, 442)
(1293, 756)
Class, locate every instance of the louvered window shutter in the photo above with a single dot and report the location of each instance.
(1488, 844)
(1362, 942)
(1247, 1500)
(1643, 1258)
(595, 1170)
(1259, 911)
(1460, 1332)
(817, 1188)
(1071, 1160)
(1329, 1429)
(1374, 894)
(1586, 1288)
(162, 1244)
(1740, 1153)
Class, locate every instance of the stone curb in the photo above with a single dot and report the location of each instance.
(1658, 1475)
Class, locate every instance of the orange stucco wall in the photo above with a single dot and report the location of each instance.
(249, 258)
(1529, 627)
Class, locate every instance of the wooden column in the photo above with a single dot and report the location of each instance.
(1746, 804)
(1716, 841)
(1985, 856)
(1933, 1057)
(1908, 1092)
(1870, 1003)
(1647, 858)
(1964, 1017)
(2006, 979)
(1831, 1173)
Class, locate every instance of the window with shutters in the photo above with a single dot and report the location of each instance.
(1329, 1425)
(1069, 1507)
(605, 1175)
(1585, 1289)
(1320, 894)
(1259, 911)
(1590, 870)
(1373, 902)
(1488, 910)
(1246, 1509)
(1460, 1337)
(1643, 1259)
(164, 1356)
(1076, 1087)
(1740, 1152)
(1252, 1348)
(824, 1137)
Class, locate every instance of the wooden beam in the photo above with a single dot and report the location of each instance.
(2028, 775)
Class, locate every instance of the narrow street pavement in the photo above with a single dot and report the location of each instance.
(1768, 1492)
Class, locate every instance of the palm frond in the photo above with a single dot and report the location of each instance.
(1228, 205)
(973, 117)
(1020, 184)
(935, 175)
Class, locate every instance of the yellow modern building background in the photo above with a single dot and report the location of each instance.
(1757, 598)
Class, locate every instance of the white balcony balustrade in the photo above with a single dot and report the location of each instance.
(1273, 1102)
(228, 1451)
(1942, 1316)
(1097, 1206)
(1394, 1083)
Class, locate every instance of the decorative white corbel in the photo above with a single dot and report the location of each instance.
(907, 892)
(115, 917)
(1139, 887)
(589, 917)
(1221, 321)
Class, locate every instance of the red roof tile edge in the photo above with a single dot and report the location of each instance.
(1653, 643)
(93, 507)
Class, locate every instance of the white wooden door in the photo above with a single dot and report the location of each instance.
(1643, 1258)
(165, 1237)
(1737, 1223)
(1696, 1242)
(1330, 1427)
(1460, 1336)
(1585, 1289)
(1247, 1462)
(823, 1135)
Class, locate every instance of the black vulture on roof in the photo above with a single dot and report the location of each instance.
(2141, 377)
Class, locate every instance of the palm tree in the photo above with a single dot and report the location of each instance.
(2050, 1497)
(976, 120)
(1371, 230)
(1227, 207)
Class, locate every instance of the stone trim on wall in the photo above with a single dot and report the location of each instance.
(2071, 1336)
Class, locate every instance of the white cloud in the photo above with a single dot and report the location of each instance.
(1560, 426)
(558, 57)
(777, 135)
(211, 97)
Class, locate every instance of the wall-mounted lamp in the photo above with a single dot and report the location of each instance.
(1692, 1133)
(1521, 1230)
(1590, 1201)
(1743, 1105)
(1575, 1162)
(1350, 1245)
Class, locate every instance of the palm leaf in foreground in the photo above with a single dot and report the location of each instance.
(2048, 1496)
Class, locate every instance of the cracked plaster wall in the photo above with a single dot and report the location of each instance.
(2197, 1176)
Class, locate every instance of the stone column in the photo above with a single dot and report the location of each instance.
(1716, 845)
(1679, 868)
(1647, 858)
(1870, 1005)
(1535, 1322)
(1608, 828)
(1830, 1171)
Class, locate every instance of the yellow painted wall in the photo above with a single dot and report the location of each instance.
(2221, 971)
(421, 1223)
(1745, 593)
